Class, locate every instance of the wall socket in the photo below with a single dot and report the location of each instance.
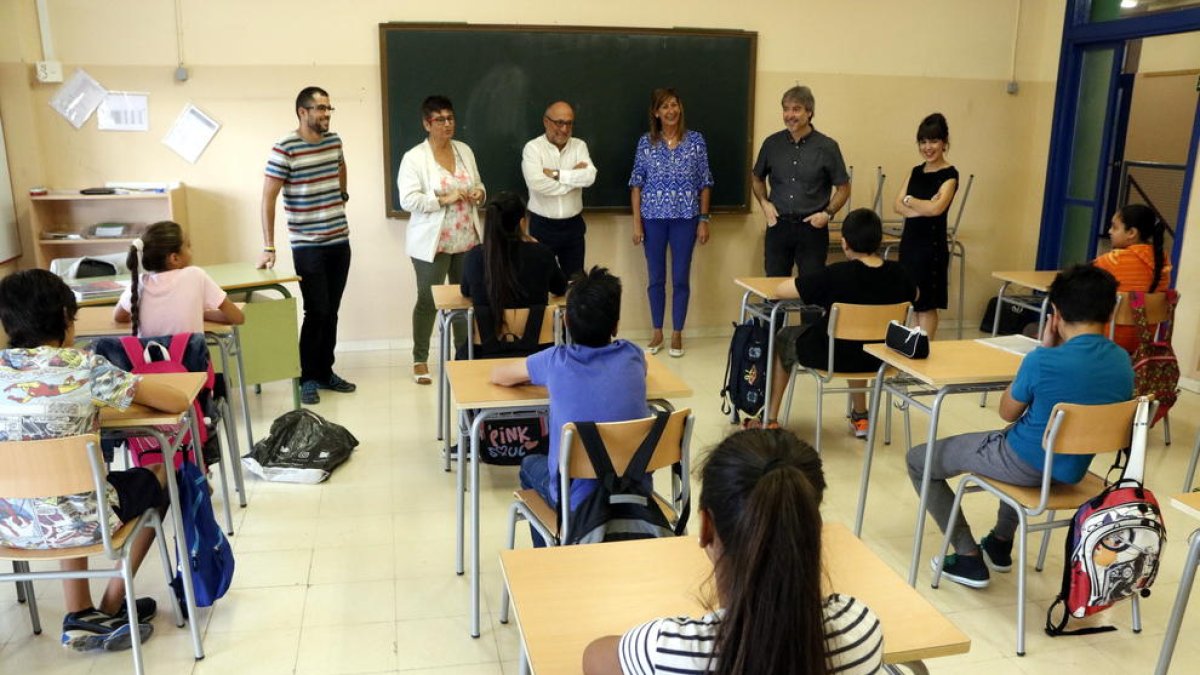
(49, 71)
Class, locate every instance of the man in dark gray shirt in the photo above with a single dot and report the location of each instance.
(809, 183)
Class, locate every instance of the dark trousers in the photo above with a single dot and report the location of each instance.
(323, 271)
(794, 242)
(565, 237)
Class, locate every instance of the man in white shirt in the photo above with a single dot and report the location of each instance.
(557, 167)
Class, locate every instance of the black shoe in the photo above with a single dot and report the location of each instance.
(308, 392)
(997, 554)
(147, 609)
(92, 629)
(968, 570)
(336, 383)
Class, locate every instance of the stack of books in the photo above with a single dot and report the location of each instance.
(101, 288)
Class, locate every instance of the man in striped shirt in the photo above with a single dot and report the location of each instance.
(308, 166)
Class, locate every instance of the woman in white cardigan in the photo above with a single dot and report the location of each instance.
(440, 186)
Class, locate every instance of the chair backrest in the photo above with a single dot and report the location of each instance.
(864, 323)
(1158, 310)
(1076, 429)
(622, 440)
(514, 323)
(51, 467)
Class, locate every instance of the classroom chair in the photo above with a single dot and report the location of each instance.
(513, 330)
(66, 466)
(1160, 315)
(865, 323)
(1073, 430)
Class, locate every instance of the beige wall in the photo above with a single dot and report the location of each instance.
(877, 67)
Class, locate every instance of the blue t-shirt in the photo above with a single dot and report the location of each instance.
(589, 384)
(1089, 370)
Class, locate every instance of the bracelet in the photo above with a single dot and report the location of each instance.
(907, 199)
(268, 249)
(705, 217)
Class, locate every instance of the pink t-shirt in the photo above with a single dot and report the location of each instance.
(174, 301)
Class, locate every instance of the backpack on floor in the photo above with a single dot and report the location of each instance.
(1113, 546)
(506, 441)
(623, 507)
(209, 557)
(746, 370)
(1155, 368)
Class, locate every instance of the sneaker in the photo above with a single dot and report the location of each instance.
(92, 629)
(336, 383)
(308, 392)
(859, 425)
(967, 570)
(997, 554)
(147, 608)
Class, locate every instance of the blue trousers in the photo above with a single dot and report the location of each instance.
(680, 235)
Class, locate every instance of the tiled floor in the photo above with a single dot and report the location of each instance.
(356, 575)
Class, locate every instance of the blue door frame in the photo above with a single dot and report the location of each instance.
(1080, 35)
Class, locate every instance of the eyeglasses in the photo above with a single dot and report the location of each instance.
(561, 124)
(320, 108)
(444, 119)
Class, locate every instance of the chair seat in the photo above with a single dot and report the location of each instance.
(1061, 498)
(537, 506)
(118, 541)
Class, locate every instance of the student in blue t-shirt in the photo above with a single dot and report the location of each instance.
(1076, 364)
(595, 379)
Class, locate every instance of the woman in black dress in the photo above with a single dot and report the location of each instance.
(923, 201)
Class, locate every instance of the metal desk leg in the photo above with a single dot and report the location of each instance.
(230, 424)
(934, 413)
(441, 423)
(476, 428)
(459, 495)
(872, 432)
(241, 376)
(962, 282)
(995, 329)
(189, 591)
(1181, 603)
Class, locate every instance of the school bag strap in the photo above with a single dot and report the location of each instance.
(526, 343)
(589, 434)
(134, 351)
(1137, 303)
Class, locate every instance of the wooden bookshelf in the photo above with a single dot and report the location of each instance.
(69, 213)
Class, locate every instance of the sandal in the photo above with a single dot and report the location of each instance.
(421, 374)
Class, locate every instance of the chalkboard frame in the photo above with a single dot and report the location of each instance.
(392, 154)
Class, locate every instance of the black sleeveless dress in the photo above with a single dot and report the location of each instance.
(923, 250)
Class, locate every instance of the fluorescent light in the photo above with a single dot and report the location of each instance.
(1128, 4)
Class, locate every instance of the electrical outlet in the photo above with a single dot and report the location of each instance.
(49, 71)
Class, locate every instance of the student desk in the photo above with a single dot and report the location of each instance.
(566, 596)
(1188, 503)
(1038, 282)
(138, 420)
(98, 322)
(771, 309)
(452, 304)
(472, 389)
(953, 367)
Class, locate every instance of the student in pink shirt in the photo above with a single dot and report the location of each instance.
(170, 296)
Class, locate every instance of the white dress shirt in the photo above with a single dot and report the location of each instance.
(562, 198)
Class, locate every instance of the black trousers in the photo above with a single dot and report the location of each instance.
(794, 242)
(323, 271)
(565, 237)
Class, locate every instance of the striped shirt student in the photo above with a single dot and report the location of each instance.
(684, 645)
(312, 191)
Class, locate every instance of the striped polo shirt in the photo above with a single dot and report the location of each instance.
(312, 193)
(685, 646)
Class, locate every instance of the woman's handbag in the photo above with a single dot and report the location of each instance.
(911, 342)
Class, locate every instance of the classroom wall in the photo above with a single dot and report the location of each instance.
(876, 66)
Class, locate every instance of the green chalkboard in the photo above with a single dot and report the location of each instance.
(501, 78)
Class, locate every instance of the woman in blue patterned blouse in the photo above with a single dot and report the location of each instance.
(669, 190)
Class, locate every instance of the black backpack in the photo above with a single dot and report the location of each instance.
(746, 370)
(622, 508)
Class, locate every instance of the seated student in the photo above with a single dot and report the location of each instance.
(863, 279)
(760, 524)
(509, 270)
(1075, 364)
(595, 379)
(170, 296)
(50, 389)
(1136, 259)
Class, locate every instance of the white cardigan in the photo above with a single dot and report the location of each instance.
(415, 181)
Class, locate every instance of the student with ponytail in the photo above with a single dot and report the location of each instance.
(1137, 259)
(167, 295)
(509, 270)
(760, 524)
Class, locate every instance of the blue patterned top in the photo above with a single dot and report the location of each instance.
(671, 180)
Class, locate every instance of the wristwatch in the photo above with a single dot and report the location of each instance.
(907, 199)
(556, 173)
(345, 196)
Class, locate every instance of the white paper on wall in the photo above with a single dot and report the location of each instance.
(191, 133)
(124, 111)
(78, 98)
